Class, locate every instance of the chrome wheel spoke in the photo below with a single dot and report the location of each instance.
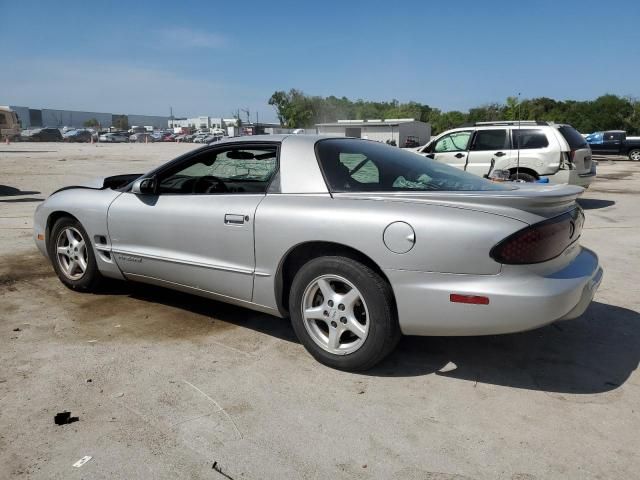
(63, 251)
(325, 288)
(350, 298)
(70, 238)
(314, 313)
(355, 327)
(334, 338)
(82, 264)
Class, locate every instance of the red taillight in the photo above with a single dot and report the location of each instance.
(540, 242)
(572, 153)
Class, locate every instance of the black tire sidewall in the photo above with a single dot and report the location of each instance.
(527, 177)
(91, 276)
(383, 328)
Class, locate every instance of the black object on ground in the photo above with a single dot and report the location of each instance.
(218, 469)
(63, 418)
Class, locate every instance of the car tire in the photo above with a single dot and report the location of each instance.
(523, 176)
(353, 336)
(72, 256)
(634, 155)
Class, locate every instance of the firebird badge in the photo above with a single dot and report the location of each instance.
(129, 258)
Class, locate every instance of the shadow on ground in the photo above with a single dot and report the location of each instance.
(592, 354)
(6, 191)
(594, 204)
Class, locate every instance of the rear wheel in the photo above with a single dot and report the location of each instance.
(634, 155)
(523, 177)
(72, 256)
(343, 313)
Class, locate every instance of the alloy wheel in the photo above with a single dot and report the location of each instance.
(335, 314)
(71, 253)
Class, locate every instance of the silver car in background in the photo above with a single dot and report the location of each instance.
(356, 241)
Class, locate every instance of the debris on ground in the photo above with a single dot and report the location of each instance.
(118, 395)
(218, 469)
(82, 461)
(89, 380)
(17, 329)
(63, 418)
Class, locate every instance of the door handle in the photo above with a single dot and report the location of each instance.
(459, 155)
(499, 154)
(234, 219)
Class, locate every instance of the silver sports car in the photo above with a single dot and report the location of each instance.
(356, 241)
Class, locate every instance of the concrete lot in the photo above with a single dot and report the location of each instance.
(166, 384)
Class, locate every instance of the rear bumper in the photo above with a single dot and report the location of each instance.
(519, 299)
(573, 177)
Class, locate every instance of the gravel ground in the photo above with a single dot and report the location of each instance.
(166, 384)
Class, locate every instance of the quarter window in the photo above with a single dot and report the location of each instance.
(453, 142)
(490, 140)
(528, 139)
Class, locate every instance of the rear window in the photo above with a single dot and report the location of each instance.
(528, 139)
(573, 138)
(351, 165)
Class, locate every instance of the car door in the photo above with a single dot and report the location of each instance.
(196, 228)
(451, 148)
(611, 143)
(487, 147)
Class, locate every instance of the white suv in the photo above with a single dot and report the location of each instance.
(556, 151)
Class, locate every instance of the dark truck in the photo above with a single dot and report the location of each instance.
(614, 142)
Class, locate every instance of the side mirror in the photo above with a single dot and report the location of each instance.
(430, 155)
(144, 186)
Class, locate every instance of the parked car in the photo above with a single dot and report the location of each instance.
(9, 124)
(200, 138)
(527, 150)
(169, 137)
(141, 138)
(614, 142)
(114, 138)
(355, 240)
(41, 135)
(77, 136)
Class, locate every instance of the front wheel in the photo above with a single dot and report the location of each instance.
(72, 256)
(634, 155)
(343, 313)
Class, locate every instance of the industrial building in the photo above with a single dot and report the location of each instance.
(398, 130)
(47, 117)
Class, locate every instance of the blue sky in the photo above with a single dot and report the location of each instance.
(214, 57)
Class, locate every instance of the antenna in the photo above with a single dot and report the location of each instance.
(519, 137)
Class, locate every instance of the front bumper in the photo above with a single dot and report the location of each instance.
(521, 298)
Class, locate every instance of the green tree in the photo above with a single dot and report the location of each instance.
(92, 123)
(121, 122)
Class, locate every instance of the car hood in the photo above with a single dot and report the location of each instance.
(102, 183)
(525, 202)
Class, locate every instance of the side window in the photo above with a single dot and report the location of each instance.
(232, 170)
(490, 140)
(454, 142)
(361, 169)
(528, 139)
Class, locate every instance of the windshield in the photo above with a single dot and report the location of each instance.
(351, 165)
